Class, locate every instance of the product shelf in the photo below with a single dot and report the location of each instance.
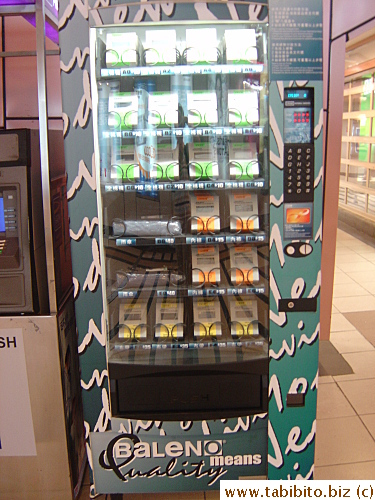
(259, 237)
(255, 289)
(147, 187)
(188, 132)
(199, 69)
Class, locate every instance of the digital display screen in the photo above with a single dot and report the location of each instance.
(2, 218)
(297, 94)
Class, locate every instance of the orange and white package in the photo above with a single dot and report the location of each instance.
(243, 209)
(205, 265)
(204, 213)
(243, 265)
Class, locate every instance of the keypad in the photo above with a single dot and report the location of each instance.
(298, 173)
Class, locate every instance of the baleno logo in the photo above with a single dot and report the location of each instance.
(229, 460)
(126, 448)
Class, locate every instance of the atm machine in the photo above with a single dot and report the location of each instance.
(39, 366)
(20, 244)
(196, 202)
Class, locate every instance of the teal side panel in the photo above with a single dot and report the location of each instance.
(294, 335)
(83, 212)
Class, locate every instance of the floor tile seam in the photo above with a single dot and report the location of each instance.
(351, 379)
(355, 411)
(350, 462)
(346, 463)
(350, 312)
(341, 417)
(355, 297)
(368, 430)
(352, 259)
(360, 294)
(355, 352)
(337, 286)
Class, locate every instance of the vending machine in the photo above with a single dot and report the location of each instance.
(195, 196)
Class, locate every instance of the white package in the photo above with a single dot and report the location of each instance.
(201, 46)
(244, 264)
(202, 108)
(243, 107)
(203, 160)
(169, 318)
(207, 317)
(133, 319)
(126, 45)
(160, 47)
(205, 212)
(167, 166)
(205, 265)
(244, 316)
(162, 108)
(240, 46)
(243, 160)
(243, 209)
(123, 106)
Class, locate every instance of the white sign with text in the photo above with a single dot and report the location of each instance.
(16, 423)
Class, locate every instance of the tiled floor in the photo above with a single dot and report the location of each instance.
(345, 441)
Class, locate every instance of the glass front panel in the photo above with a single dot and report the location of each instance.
(182, 137)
